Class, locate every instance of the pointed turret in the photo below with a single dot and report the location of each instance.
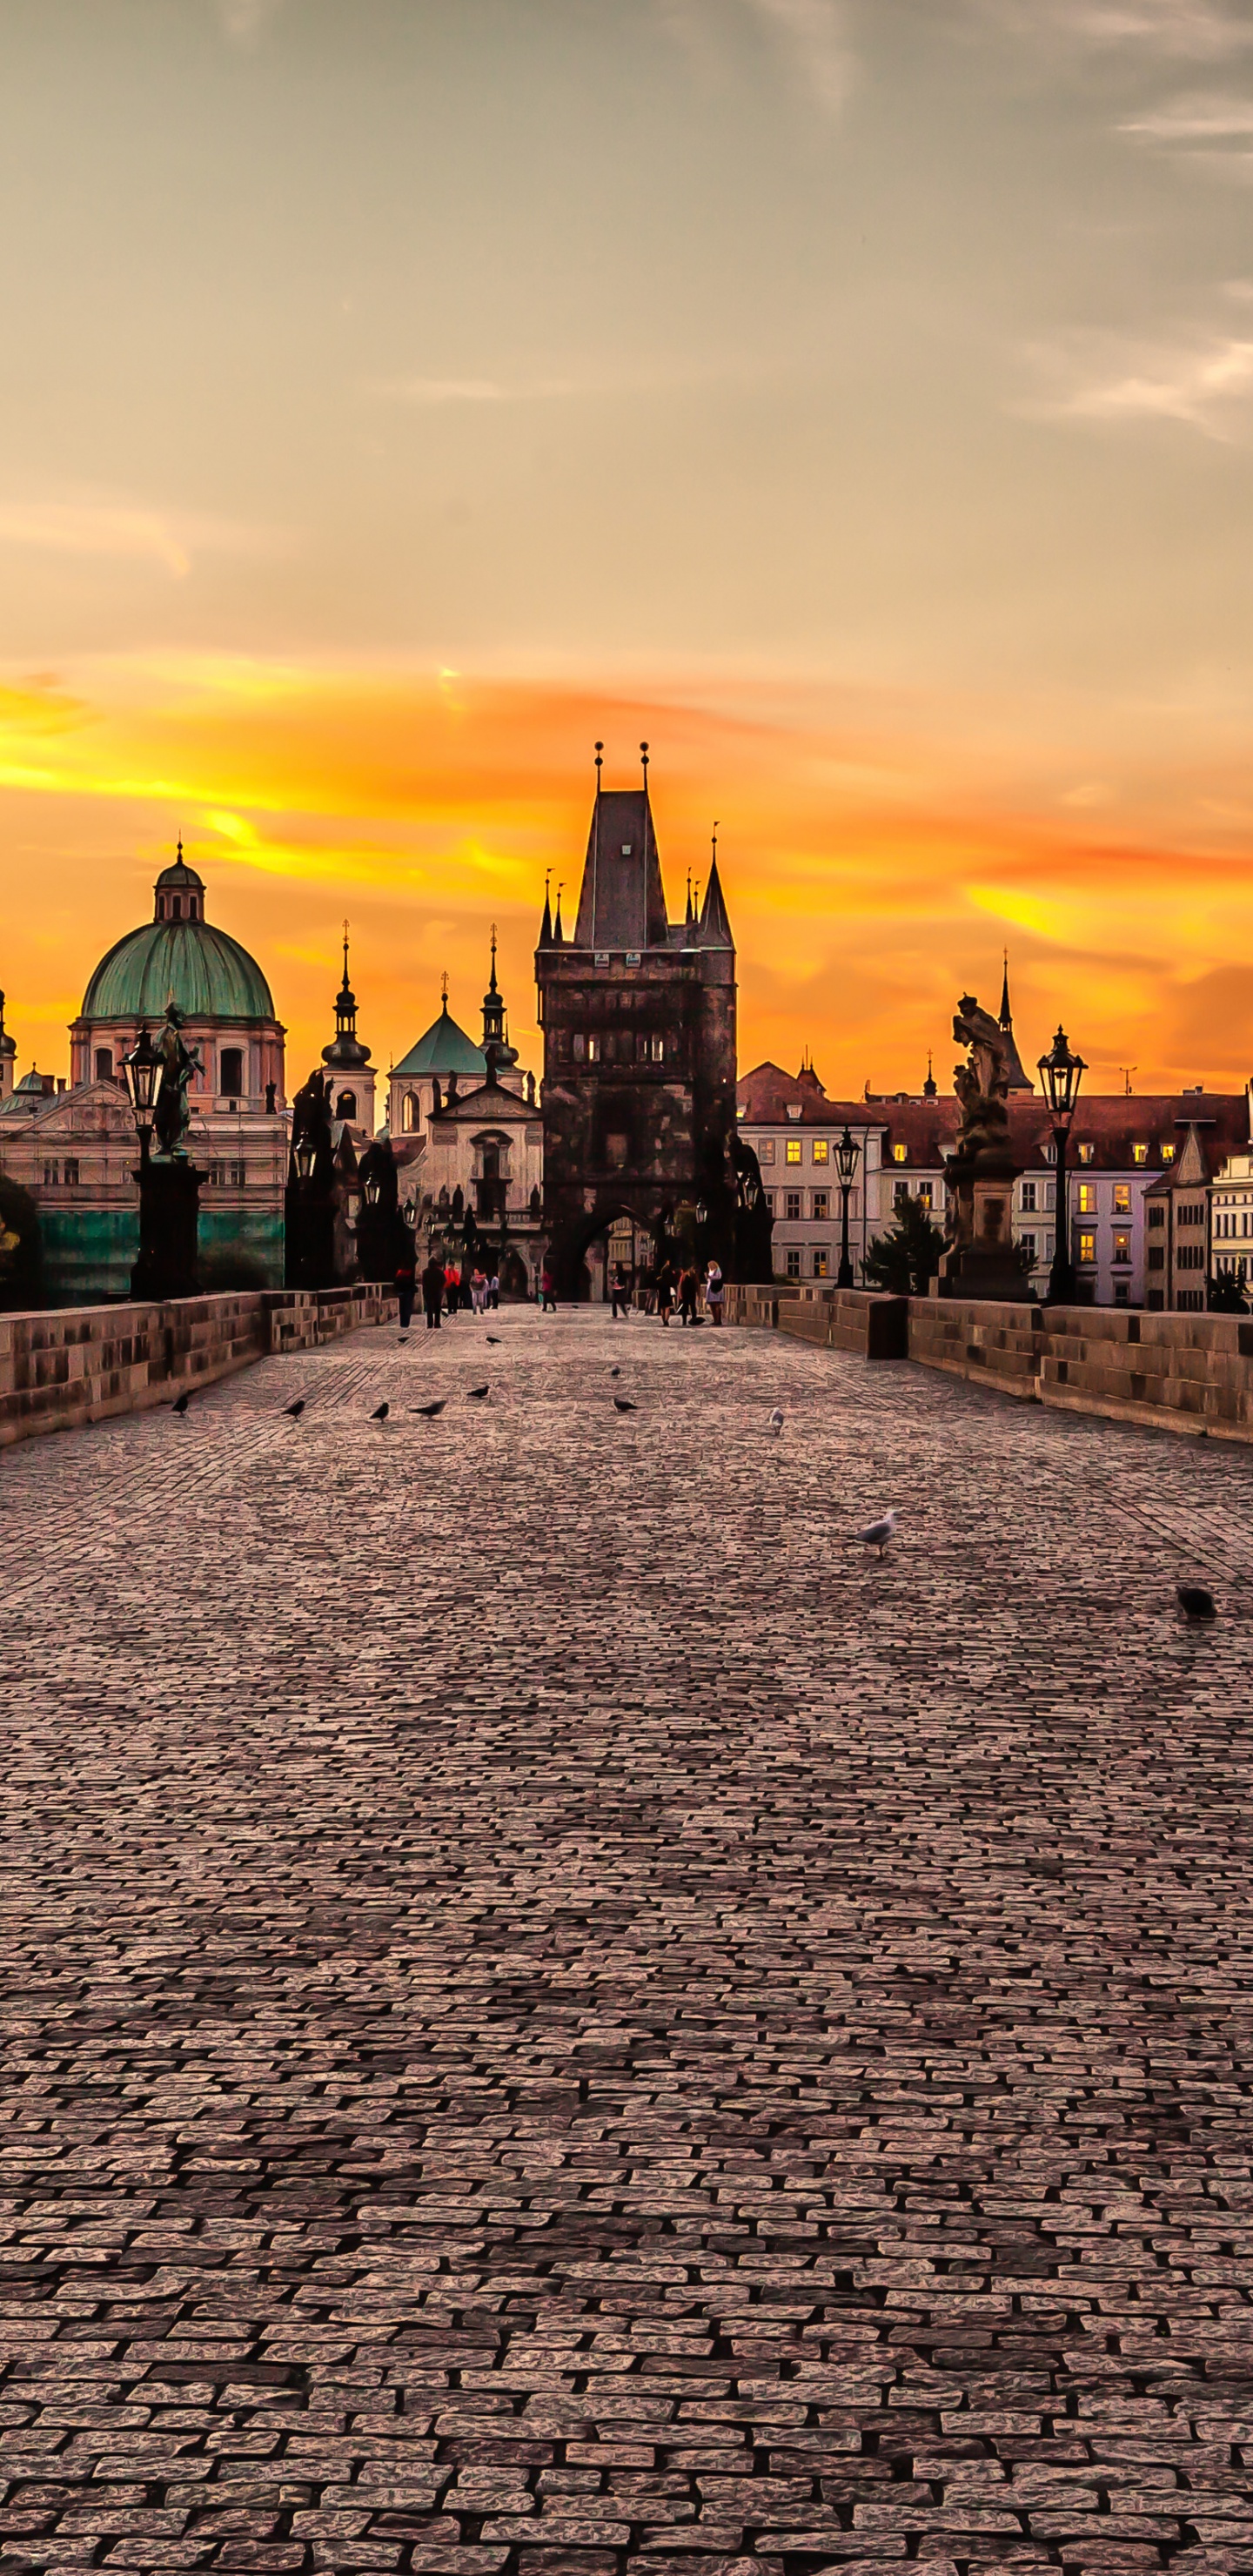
(714, 928)
(558, 933)
(546, 925)
(346, 1052)
(622, 903)
(1018, 1079)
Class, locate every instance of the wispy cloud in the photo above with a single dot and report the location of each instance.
(243, 21)
(1204, 383)
(476, 389)
(815, 36)
(122, 529)
(1195, 120)
(1200, 31)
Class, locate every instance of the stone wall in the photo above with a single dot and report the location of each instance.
(1190, 1373)
(71, 1365)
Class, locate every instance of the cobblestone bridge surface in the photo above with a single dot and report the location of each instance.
(557, 2020)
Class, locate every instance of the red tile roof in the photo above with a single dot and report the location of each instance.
(927, 1129)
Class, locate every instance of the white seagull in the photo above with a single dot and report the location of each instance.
(878, 1533)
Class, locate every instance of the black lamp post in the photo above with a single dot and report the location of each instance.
(847, 1157)
(305, 1155)
(1061, 1073)
(142, 1072)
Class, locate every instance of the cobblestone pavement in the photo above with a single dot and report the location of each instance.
(558, 2019)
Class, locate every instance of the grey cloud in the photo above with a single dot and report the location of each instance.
(1203, 383)
(1185, 30)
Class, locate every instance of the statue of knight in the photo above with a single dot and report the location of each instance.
(172, 1115)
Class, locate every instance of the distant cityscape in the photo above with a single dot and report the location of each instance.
(637, 1136)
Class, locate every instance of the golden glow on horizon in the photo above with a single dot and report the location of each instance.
(868, 881)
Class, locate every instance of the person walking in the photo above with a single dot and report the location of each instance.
(619, 1293)
(432, 1293)
(493, 1291)
(452, 1289)
(405, 1286)
(547, 1292)
(478, 1290)
(687, 1295)
(713, 1292)
(665, 1292)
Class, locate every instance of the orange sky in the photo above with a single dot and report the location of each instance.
(876, 854)
(855, 397)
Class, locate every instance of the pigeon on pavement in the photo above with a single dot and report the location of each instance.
(475, 1394)
(615, 1372)
(181, 1402)
(776, 1420)
(623, 1404)
(878, 1533)
(380, 1413)
(296, 1409)
(1195, 1602)
(493, 1341)
(430, 1410)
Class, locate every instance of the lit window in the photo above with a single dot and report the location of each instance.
(1139, 1153)
(593, 1050)
(793, 1258)
(899, 1153)
(822, 1151)
(1122, 1246)
(1168, 1153)
(924, 1194)
(1086, 1153)
(792, 1206)
(794, 1149)
(659, 1050)
(1122, 1198)
(1087, 1247)
(820, 1262)
(820, 1204)
(1087, 1198)
(1028, 1197)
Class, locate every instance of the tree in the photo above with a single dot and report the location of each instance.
(1226, 1296)
(906, 1259)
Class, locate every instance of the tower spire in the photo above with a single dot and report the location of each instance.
(1006, 1021)
(546, 925)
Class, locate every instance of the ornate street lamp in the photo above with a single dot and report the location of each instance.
(847, 1157)
(143, 1072)
(305, 1154)
(1061, 1073)
(371, 1187)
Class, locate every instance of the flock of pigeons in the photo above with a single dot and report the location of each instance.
(1196, 1603)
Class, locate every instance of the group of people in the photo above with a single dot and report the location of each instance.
(445, 1287)
(682, 1288)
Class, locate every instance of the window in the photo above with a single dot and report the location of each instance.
(1157, 1216)
(1139, 1153)
(898, 1153)
(822, 1150)
(579, 1045)
(765, 1151)
(1028, 1244)
(821, 1204)
(593, 1050)
(1087, 1198)
(408, 1113)
(176, 909)
(900, 1194)
(104, 1065)
(768, 1196)
(1191, 1301)
(1122, 1245)
(1122, 1198)
(924, 1194)
(617, 1151)
(236, 1175)
(1028, 1198)
(794, 1149)
(233, 1070)
(1193, 1213)
(1157, 1256)
(793, 1258)
(50, 1176)
(659, 1050)
(1122, 1293)
(792, 1206)
(1190, 1256)
(1050, 1152)
(1168, 1153)
(346, 1105)
(820, 1261)
(1087, 1247)
(1086, 1153)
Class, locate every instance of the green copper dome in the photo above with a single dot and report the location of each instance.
(210, 976)
(444, 1049)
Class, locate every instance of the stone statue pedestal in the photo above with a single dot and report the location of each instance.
(981, 1260)
(169, 1211)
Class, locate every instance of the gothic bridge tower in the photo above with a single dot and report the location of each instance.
(638, 1015)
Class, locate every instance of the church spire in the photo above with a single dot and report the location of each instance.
(1006, 1018)
(1019, 1079)
(546, 925)
(558, 932)
(714, 928)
